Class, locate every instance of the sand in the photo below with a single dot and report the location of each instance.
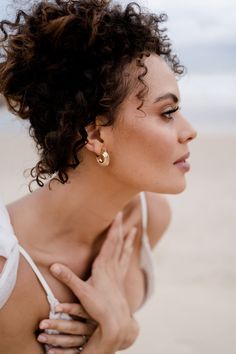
(194, 308)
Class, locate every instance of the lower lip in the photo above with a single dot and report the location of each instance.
(183, 165)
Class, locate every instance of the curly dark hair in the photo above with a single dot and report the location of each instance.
(62, 65)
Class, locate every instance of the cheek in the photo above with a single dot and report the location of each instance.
(158, 146)
(164, 148)
(146, 147)
(143, 158)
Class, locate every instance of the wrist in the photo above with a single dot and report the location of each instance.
(101, 343)
(111, 338)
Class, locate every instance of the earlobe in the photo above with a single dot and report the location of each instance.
(103, 159)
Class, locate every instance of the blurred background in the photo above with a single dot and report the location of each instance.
(194, 308)
(204, 37)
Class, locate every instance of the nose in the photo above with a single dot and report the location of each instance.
(186, 132)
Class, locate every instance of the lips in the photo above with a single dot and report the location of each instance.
(183, 158)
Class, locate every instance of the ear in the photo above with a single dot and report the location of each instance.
(95, 141)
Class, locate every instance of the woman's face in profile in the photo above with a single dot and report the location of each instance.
(144, 147)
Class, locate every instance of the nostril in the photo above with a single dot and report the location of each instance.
(186, 136)
(194, 135)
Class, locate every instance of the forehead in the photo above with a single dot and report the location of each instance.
(160, 79)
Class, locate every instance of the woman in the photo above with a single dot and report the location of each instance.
(98, 85)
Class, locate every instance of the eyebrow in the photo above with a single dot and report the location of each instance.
(168, 95)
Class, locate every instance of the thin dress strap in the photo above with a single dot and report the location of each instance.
(146, 258)
(51, 298)
(144, 211)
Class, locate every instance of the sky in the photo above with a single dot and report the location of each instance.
(203, 33)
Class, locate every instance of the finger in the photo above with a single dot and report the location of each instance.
(68, 327)
(63, 351)
(73, 310)
(119, 244)
(63, 341)
(129, 241)
(127, 250)
(109, 244)
(83, 291)
(70, 279)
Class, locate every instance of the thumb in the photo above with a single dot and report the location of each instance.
(70, 279)
(83, 291)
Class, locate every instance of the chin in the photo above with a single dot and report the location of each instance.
(175, 186)
(177, 189)
(173, 189)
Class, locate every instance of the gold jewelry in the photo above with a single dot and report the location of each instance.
(81, 347)
(103, 159)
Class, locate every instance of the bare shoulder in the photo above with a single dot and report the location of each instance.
(159, 216)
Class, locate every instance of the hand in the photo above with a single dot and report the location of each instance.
(72, 333)
(102, 296)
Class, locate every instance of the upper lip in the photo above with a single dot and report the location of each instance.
(182, 158)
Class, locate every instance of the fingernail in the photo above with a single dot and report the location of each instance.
(42, 338)
(56, 269)
(43, 325)
(119, 215)
(51, 351)
(133, 233)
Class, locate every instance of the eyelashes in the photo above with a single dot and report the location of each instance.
(168, 114)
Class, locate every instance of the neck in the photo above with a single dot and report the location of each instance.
(82, 209)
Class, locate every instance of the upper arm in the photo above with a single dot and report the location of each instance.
(19, 317)
(159, 216)
(17, 334)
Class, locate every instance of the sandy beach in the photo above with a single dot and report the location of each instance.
(194, 308)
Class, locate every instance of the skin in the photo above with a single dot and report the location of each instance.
(69, 223)
(108, 272)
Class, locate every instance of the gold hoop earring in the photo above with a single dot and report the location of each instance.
(103, 159)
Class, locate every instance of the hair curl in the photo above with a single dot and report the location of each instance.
(61, 66)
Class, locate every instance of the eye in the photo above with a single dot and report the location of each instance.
(168, 114)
